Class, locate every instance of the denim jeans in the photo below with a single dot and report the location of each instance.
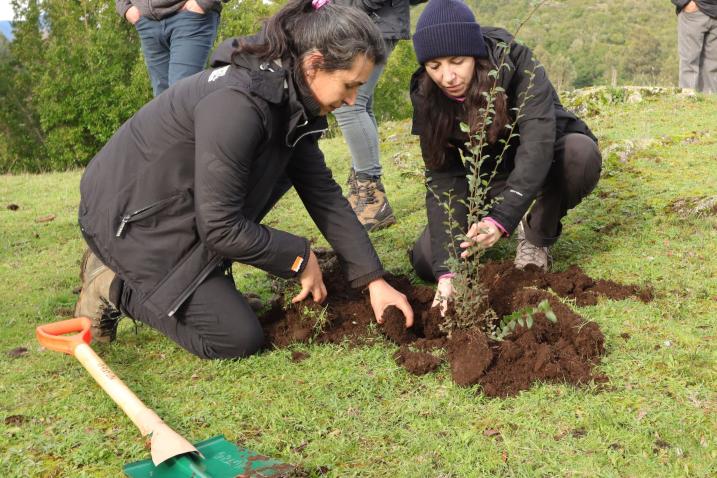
(359, 127)
(177, 46)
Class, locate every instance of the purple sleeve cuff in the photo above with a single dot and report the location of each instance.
(496, 224)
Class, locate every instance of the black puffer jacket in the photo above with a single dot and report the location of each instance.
(525, 164)
(182, 185)
(391, 16)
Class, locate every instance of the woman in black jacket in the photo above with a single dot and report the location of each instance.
(179, 191)
(554, 161)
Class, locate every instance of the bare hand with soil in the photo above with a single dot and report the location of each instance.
(312, 282)
(383, 296)
(482, 234)
(444, 291)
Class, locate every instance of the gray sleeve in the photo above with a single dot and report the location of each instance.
(122, 6)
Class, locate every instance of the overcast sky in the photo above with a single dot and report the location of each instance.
(5, 10)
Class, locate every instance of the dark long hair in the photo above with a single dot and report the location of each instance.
(445, 113)
(338, 32)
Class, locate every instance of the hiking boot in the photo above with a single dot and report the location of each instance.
(94, 302)
(352, 196)
(528, 254)
(372, 208)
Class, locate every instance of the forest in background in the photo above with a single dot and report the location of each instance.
(74, 71)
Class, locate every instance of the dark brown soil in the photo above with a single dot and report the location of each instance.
(561, 351)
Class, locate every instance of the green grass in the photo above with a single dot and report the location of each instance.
(354, 410)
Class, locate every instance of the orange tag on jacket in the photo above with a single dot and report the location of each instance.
(297, 263)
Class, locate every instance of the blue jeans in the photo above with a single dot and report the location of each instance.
(177, 46)
(359, 127)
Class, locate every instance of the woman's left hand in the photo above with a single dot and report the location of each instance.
(482, 234)
(383, 295)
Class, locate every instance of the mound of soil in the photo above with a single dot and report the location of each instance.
(562, 351)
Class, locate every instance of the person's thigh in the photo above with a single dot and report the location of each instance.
(191, 39)
(709, 59)
(421, 256)
(579, 163)
(156, 52)
(691, 29)
(215, 322)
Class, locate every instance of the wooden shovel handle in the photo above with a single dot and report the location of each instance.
(53, 336)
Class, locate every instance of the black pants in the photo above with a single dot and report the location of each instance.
(216, 321)
(574, 174)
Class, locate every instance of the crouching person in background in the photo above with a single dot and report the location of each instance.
(554, 161)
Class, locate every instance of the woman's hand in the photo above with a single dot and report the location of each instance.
(444, 291)
(383, 295)
(312, 282)
(132, 15)
(193, 6)
(482, 234)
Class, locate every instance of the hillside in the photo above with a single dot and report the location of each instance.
(346, 411)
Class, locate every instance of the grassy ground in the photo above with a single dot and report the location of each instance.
(355, 411)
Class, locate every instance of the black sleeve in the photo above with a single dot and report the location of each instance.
(680, 4)
(537, 129)
(446, 189)
(332, 213)
(223, 161)
(374, 5)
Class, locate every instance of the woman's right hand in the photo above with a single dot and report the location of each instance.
(312, 282)
(691, 7)
(444, 291)
(132, 15)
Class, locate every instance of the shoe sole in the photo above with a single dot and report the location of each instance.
(380, 224)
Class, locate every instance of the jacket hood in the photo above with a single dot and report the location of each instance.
(273, 82)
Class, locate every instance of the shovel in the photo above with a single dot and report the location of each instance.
(172, 455)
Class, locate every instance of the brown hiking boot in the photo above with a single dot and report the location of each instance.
(94, 302)
(528, 254)
(352, 196)
(372, 208)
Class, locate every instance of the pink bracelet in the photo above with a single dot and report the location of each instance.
(447, 275)
(496, 224)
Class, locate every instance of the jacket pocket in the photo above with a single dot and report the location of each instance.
(145, 212)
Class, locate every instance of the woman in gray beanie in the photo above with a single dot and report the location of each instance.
(554, 161)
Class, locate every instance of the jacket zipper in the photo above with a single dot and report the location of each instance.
(144, 212)
(308, 133)
(193, 286)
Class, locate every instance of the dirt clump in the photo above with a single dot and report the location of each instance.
(561, 351)
(416, 362)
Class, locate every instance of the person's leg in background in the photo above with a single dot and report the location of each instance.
(691, 30)
(708, 69)
(191, 37)
(155, 48)
(358, 124)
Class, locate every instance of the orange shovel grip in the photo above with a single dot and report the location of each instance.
(52, 336)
